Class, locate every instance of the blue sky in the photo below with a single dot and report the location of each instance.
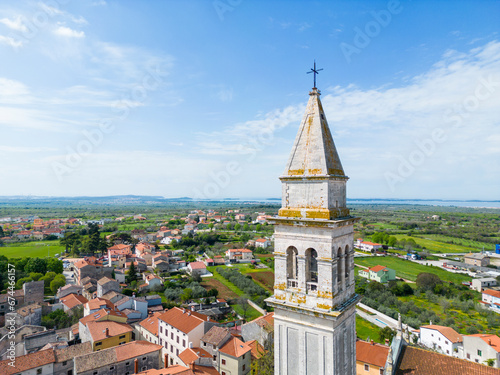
(204, 98)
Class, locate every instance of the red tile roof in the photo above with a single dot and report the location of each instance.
(197, 265)
(184, 320)
(28, 361)
(491, 292)
(235, 348)
(181, 370)
(414, 361)
(72, 300)
(257, 349)
(371, 353)
(98, 329)
(378, 268)
(192, 354)
(150, 324)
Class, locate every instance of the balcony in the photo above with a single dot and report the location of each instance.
(292, 283)
(312, 287)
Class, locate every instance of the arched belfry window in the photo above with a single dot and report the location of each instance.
(346, 259)
(312, 265)
(291, 263)
(339, 265)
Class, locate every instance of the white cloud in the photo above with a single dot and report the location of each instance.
(14, 24)
(13, 91)
(10, 41)
(67, 32)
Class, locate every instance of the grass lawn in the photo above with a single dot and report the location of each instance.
(409, 270)
(251, 312)
(471, 244)
(435, 246)
(365, 330)
(32, 249)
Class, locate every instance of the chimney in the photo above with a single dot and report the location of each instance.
(107, 331)
(165, 359)
(386, 341)
(372, 342)
(489, 342)
(189, 313)
(136, 366)
(192, 366)
(183, 310)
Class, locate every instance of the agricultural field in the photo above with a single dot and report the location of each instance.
(265, 279)
(473, 245)
(434, 246)
(224, 291)
(409, 270)
(32, 249)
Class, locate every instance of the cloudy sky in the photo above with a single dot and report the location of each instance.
(204, 98)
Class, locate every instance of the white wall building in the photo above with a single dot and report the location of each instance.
(481, 347)
(444, 340)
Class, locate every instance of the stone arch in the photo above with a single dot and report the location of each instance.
(339, 265)
(346, 262)
(291, 263)
(311, 265)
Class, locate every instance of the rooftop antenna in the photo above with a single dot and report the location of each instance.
(315, 71)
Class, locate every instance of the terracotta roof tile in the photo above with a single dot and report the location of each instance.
(72, 351)
(181, 370)
(197, 265)
(72, 300)
(98, 330)
(215, 336)
(235, 348)
(28, 361)
(414, 361)
(257, 349)
(184, 320)
(491, 292)
(192, 354)
(150, 324)
(372, 354)
(378, 268)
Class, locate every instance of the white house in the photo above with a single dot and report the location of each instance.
(241, 254)
(366, 245)
(262, 242)
(481, 347)
(480, 284)
(491, 298)
(179, 329)
(133, 303)
(198, 268)
(442, 339)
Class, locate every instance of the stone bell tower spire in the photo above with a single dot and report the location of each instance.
(314, 298)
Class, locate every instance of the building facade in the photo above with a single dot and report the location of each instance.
(314, 299)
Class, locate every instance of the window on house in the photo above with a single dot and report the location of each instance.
(98, 343)
(65, 363)
(161, 329)
(223, 373)
(184, 343)
(38, 371)
(143, 358)
(447, 352)
(468, 355)
(70, 372)
(121, 337)
(177, 339)
(243, 368)
(367, 367)
(479, 353)
(144, 368)
(127, 363)
(121, 343)
(95, 373)
(172, 335)
(215, 358)
(223, 361)
(177, 352)
(381, 371)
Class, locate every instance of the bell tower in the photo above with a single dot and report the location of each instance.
(314, 299)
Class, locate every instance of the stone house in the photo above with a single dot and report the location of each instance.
(106, 284)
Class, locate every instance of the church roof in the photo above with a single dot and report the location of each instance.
(314, 152)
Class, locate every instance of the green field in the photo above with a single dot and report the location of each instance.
(436, 246)
(471, 244)
(409, 270)
(366, 330)
(251, 312)
(32, 249)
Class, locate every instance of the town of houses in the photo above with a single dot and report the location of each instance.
(123, 333)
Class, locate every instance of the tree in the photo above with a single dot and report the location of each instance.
(58, 282)
(186, 295)
(246, 228)
(427, 281)
(265, 364)
(55, 265)
(213, 292)
(211, 226)
(244, 305)
(258, 228)
(386, 333)
(35, 276)
(132, 273)
(237, 227)
(2, 234)
(490, 362)
(37, 265)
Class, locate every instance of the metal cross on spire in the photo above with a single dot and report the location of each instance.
(315, 71)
